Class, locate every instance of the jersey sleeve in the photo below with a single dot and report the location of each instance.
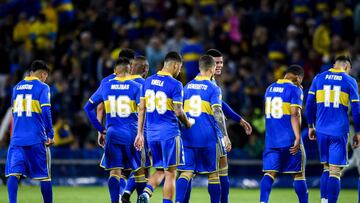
(142, 91)
(45, 97)
(178, 93)
(354, 94)
(355, 104)
(297, 97)
(137, 94)
(312, 89)
(215, 99)
(96, 98)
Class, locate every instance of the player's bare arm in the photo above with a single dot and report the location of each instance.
(179, 111)
(220, 120)
(139, 140)
(296, 126)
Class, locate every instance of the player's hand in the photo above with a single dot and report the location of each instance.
(101, 139)
(356, 141)
(190, 123)
(139, 142)
(312, 134)
(227, 143)
(295, 148)
(247, 127)
(49, 142)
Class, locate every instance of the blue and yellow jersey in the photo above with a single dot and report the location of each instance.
(279, 98)
(333, 90)
(108, 78)
(28, 96)
(191, 53)
(200, 95)
(138, 79)
(160, 92)
(121, 97)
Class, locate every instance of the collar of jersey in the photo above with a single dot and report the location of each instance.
(282, 81)
(336, 70)
(202, 78)
(164, 73)
(29, 78)
(134, 77)
(122, 79)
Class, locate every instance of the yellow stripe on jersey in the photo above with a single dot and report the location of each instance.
(286, 108)
(191, 56)
(132, 105)
(344, 97)
(205, 107)
(310, 92)
(35, 106)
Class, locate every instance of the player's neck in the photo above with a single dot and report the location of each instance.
(121, 75)
(206, 75)
(167, 70)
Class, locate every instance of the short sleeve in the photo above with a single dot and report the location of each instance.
(297, 97)
(215, 99)
(178, 93)
(96, 98)
(45, 97)
(312, 89)
(354, 91)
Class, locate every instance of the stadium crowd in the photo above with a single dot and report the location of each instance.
(80, 40)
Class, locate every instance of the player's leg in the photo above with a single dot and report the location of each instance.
(182, 185)
(188, 191)
(223, 173)
(140, 181)
(300, 187)
(14, 168)
(337, 160)
(114, 185)
(129, 188)
(323, 144)
(214, 187)
(271, 165)
(46, 190)
(169, 184)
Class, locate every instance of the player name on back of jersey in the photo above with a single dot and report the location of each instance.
(157, 82)
(277, 89)
(24, 87)
(120, 87)
(333, 77)
(197, 86)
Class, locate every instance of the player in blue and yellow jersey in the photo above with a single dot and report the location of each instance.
(121, 97)
(139, 70)
(327, 105)
(283, 151)
(162, 100)
(202, 102)
(28, 153)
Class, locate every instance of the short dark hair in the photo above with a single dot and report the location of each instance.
(127, 53)
(39, 65)
(173, 56)
(122, 61)
(214, 53)
(344, 58)
(296, 70)
(206, 62)
(141, 58)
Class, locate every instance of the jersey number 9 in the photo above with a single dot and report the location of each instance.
(19, 105)
(119, 106)
(274, 107)
(156, 101)
(195, 106)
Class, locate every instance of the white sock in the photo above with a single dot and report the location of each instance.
(323, 200)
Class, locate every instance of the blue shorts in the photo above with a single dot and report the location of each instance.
(120, 156)
(29, 161)
(146, 155)
(281, 161)
(221, 145)
(167, 153)
(333, 149)
(201, 160)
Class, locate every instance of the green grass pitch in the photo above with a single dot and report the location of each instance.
(28, 194)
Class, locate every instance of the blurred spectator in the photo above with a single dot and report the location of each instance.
(62, 134)
(155, 53)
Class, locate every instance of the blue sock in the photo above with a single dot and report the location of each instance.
(265, 187)
(114, 188)
(140, 183)
(333, 188)
(301, 190)
(359, 190)
(167, 201)
(46, 191)
(12, 185)
(181, 188)
(188, 192)
(214, 190)
(122, 185)
(323, 184)
(225, 185)
(148, 190)
(130, 185)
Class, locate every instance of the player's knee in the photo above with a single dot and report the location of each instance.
(299, 176)
(272, 175)
(213, 175)
(139, 172)
(186, 175)
(223, 171)
(335, 171)
(223, 164)
(46, 180)
(115, 173)
(16, 176)
(170, 173)
(326, 167)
